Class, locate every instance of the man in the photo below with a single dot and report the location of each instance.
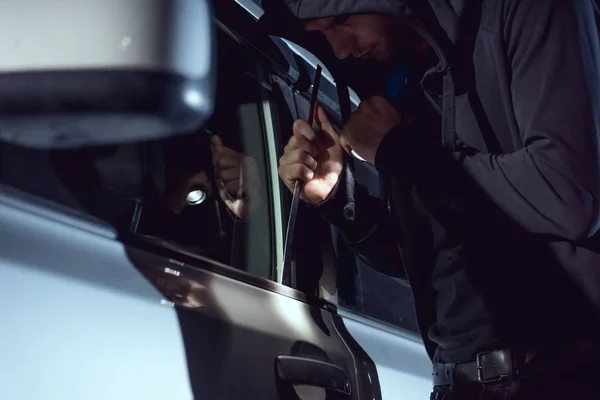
(493, 220)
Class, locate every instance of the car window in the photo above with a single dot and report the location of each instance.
(363, 290)
(211, 192)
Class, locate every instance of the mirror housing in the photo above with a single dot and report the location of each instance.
(86, 73)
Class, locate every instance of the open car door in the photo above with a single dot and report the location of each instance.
(131, 270)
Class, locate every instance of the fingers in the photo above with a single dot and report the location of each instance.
(303, 129)
(305, 147)
(327, 136)
(216, 141)
(345, 145)
(290, 173)
(225, 162)
(226, 151)
(232, 188)
(230, 174)
(322, 119)
(218, 150)
(299, 156)
(298, 142)
(296, 165)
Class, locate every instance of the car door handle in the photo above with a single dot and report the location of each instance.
(305, 371)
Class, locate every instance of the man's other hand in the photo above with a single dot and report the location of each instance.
(368, 125)
(317, 160)
(238, 178)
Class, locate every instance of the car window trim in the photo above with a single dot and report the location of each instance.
(261, 75)
(274, 65)
(270, 131)
(194, 261)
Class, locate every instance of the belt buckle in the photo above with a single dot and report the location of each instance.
(479, 363)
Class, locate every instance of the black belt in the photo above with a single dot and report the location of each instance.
(489, 366)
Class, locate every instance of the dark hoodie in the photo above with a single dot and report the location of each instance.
(507, 199)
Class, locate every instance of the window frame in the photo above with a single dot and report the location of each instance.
(272, 143)
(276, 198)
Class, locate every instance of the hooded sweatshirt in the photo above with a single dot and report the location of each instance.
(510, 190)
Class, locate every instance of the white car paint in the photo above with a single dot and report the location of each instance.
(116, 316)
(403, 366)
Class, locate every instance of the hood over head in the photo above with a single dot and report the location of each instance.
(443, 23)
(436, 20)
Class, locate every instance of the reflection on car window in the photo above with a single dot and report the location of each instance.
(205, 192)
(365, 290)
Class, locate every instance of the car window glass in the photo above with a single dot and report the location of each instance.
(208, 193)
(363, 290)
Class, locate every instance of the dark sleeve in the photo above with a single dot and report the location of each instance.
(551, 185)
(364, 223)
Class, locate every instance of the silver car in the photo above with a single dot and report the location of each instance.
(142, 219)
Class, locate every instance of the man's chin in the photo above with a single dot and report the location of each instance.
(382, 57)
(381, 54)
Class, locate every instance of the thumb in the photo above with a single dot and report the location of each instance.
(324, 124)
(322, 119)
(216, 141)
(345, 145)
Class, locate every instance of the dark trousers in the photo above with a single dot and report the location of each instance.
(570, 373)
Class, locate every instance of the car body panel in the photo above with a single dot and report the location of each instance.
(79, 321)
(403, 367)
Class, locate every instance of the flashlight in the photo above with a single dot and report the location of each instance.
(196, 196)
(395, 87)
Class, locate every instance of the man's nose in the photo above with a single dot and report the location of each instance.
(342, 45)
(341, 53)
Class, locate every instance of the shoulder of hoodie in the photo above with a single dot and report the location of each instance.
(497, 16)
(494, 13)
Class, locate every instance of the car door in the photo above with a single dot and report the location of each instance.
(128, 273)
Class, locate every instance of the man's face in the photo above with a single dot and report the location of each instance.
(366, 36)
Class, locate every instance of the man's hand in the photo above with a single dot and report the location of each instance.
(368, 125)
(318, 162)
(238, 177)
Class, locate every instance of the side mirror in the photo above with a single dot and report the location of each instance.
(84, 73)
